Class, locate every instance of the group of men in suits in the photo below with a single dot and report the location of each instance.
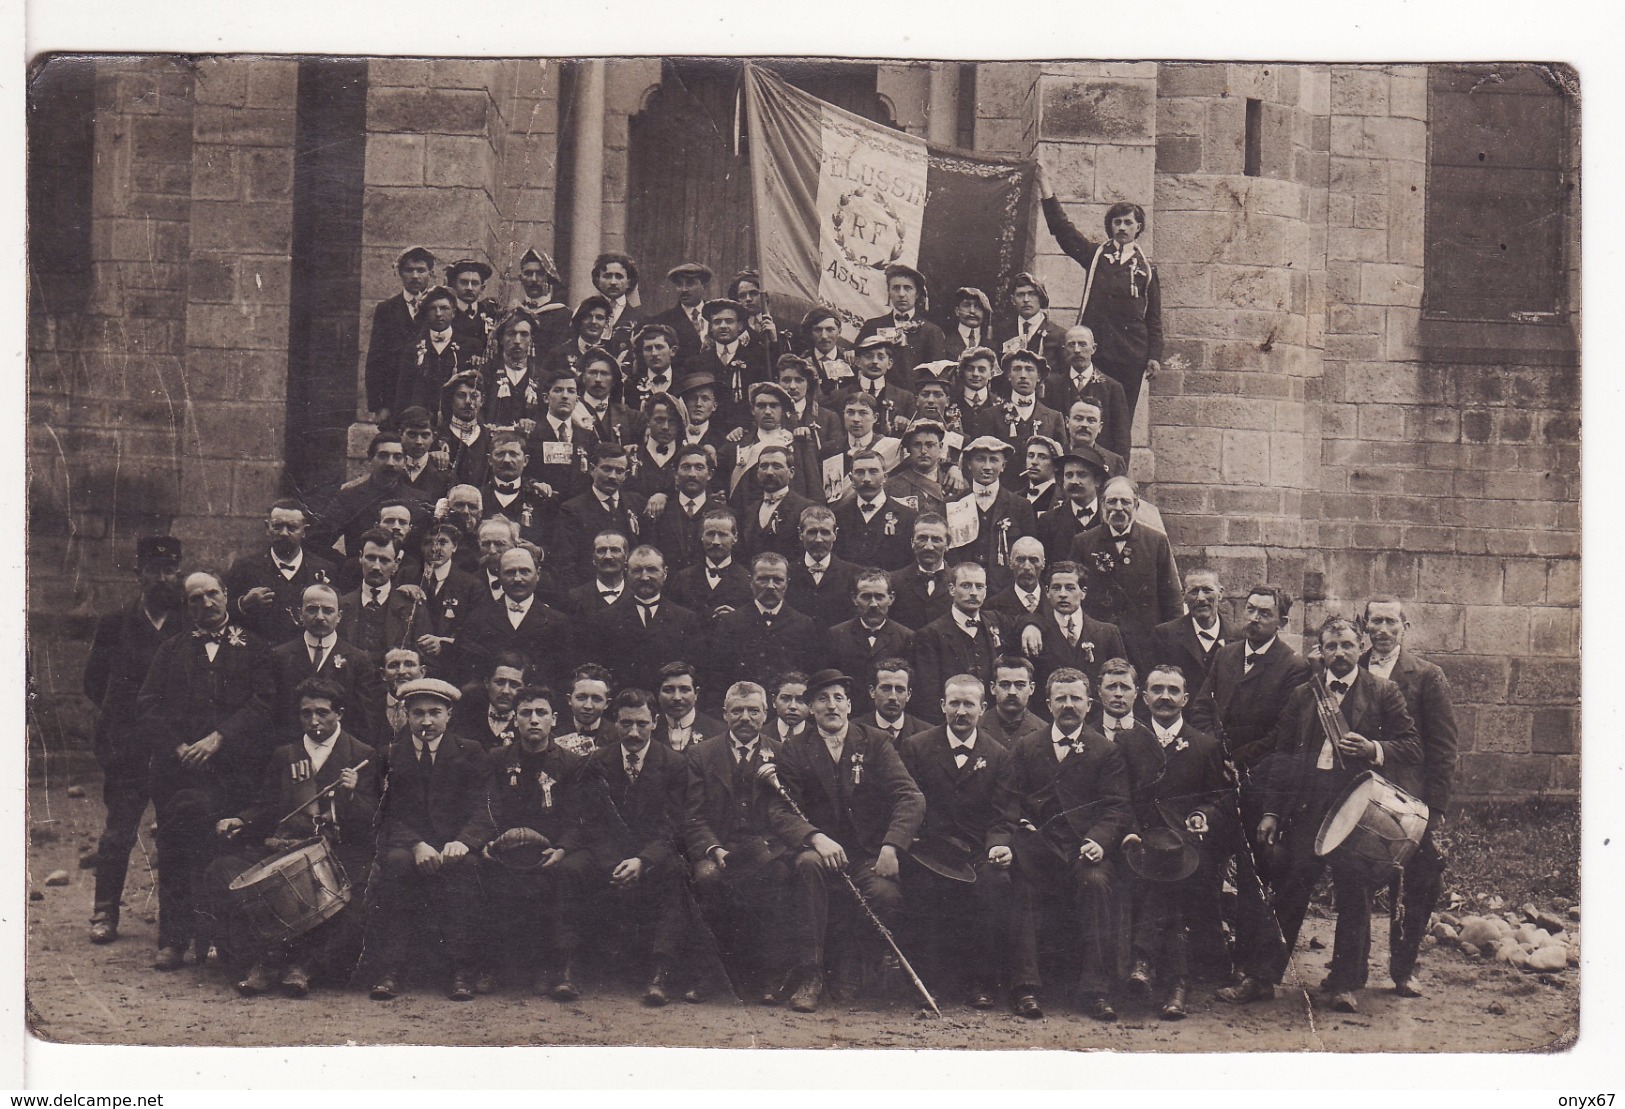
(858, 604)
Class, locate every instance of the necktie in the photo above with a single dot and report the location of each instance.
(515, 606)
(742, 752)
(507, 489)
(425, 757)
(647, 612)
(373, 603)
(1072, 630)
(961, 752)
(817, 574)
(1207, 640)
(972, 626)
(713, 577)
(632, 767)
(691, 507)
(431, 584)
(316, 655)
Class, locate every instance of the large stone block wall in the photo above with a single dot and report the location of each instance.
(1453, 480)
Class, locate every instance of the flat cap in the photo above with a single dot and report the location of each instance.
(430, 687)
(687, 269)
(467, 265)
(988, 443)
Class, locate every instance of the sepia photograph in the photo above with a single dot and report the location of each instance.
(803, 553)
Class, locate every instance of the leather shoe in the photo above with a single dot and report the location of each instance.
(386, 989)
(170, 958)
(654, 994)
(89, 861)
(257, 982)
(461, 988)
(1027, 1006)
(103, 928)
(809, 992)
(981, 998)
(1099, 1008)
(696, 995)
(566, 988)
(1342, 1001)
(1402, 986)
(296, 982)
(1248, 990)
(1139, 978)
(1174, 1007)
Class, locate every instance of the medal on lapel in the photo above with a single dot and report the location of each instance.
(857, 768)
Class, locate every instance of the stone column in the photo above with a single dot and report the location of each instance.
(236, 364)
(587, 202)
(943, 114)
(1233, 421)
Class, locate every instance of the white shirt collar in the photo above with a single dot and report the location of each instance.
(1250, 652)
(325, 644)
(441, 572)
(963, 621)
(686, 721)
(877, 504)
(1168, 736)
(1060, 738)
(820, 566)
(296, 561)
(961, 744)
(524, 605)
(382, 593)
(319, 752)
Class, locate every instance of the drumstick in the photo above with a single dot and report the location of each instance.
(318, 797)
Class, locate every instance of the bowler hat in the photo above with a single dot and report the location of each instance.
(722, 304)
(885, 337)
(1086, 454)
(525, 851)
(827, 678)
(1162, 854)
(154, 548)
(773, 388)
(690, 382)
(947, 856)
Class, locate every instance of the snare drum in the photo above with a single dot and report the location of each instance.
(1373, 827)
(289, 894)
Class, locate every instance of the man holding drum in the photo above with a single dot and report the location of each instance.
(1321, 753)
(322, 786)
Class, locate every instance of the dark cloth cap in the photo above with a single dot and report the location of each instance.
(465, 265)
(150, 548)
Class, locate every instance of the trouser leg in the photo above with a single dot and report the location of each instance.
(1351, 945)
(1098, 922)
(1419, 890)
(185, 846)
(810, 898)
(126, 792)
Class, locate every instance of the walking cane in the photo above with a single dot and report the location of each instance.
(769, 773)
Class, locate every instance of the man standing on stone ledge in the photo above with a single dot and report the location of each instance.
(120, 656)
(539, 279)
(394, 327)
(684, 319)
(1427, 697)
(1122, 298)
(477, 315)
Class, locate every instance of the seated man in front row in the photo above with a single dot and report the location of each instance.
(295, 806)
(857, 808)
(434, 816)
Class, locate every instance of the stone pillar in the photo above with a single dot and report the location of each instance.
(1233, 421)
(528, 158)
(236, 365)
(943, 113)
(627, 82)
(587, 203)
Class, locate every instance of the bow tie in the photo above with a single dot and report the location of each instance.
(1070, 740)
(972, 625)
(961, 744)
(1339, 688)
(515, 606)
(210, 637)
(507, 488)
(286, 567)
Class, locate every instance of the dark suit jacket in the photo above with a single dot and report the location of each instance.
(545, 636)
(688, 339)
(911, 725)
(750, 365)
(1008, 736)
(438, 804)
(1116, 423)
(1097, 642)
(926, 344)
(289, 782)
(403, 622)
(942, 650)
(1374, 707)
(783, 531)
(883, 541)
(850, 653)
(1127, 328)
(691, 588)
(725, 807)
(641, 818)
(470, 462)
(914, 608)
(393, 331)
(1045, 420)
(1136, 591)
(1048, 340)
(1242, 708)
(987, 418)
(584, 516)
(958, 800)
(279, 623)
(423, 371)
(1085, 797)
(353, 669)
(745, 648)
(883, 806)
(536, 515)
(516, 798)
(1175, 641)
(677, 535)
(1181, 780)
(704, 728)
(1427, 698)
(454, 600)
(894, 401)
(1007, 603)
(1060, 525)
(1008, 518)
(567, 479)
(828, 602)
(121, 653)
(184, 697)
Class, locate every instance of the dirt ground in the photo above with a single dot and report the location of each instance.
(80, 993)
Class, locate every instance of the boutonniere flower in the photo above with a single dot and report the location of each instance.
(908, 327)
(890, 521)
(530, 393)
(423, 350)
(234, 637)
(1104, 560)
(546, 781)
(993, 633)
(339, 662)
(981, 764)
(451, 602)
(737, 364)
(319, 576)
(503, 389)
(857, 768)
(1088, 649)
